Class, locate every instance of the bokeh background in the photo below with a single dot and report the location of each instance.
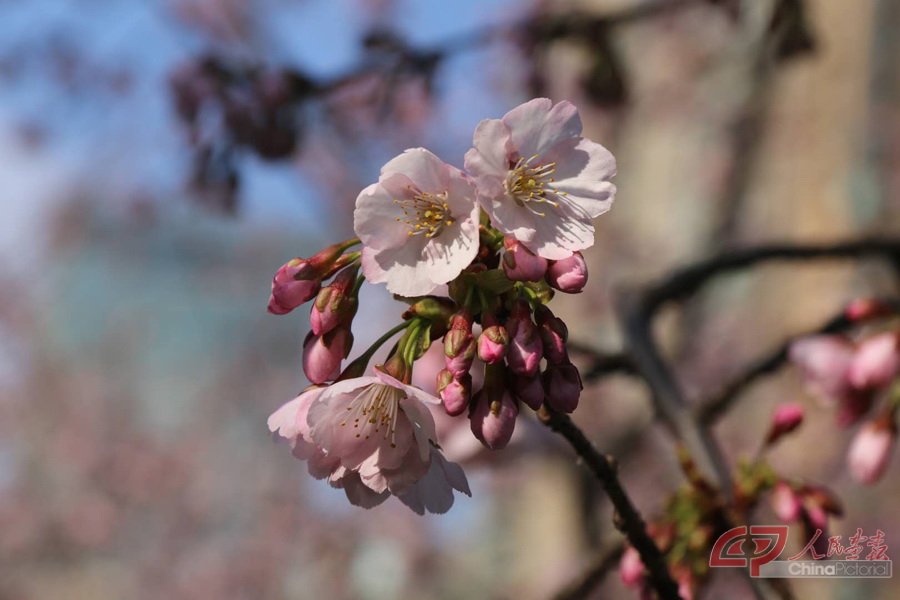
(159, 159)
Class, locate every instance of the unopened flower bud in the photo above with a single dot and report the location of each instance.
(521, 264)
(454, 393)
(864, 309)
(525, 348)
(494, 410)
(334, 303)
(554, 335)
(460, 344)
(568, 275)
(631, 569)
(787, 418)
(529, 390)
(871, 450)
(298, 281)
(493, 342)
(787, 504)
(562, 386)
(493, 418)
(434, 308)
(876, 362)
(322, 354)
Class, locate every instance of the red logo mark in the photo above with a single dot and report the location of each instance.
(768, 541)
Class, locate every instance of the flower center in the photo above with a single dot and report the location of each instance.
(374, 409)
(425, 214)
(530, 181)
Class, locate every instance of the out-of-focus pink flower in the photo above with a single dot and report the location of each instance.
(454, 392)
(568, 275)
(525, 349)
(334, 303)
(787, 504)
(372, 437)
(299, 280)
(871, 450)
(876, 362)
(418, 224)
(631, 569)
(322, 354)
(520, 263)
(562, 386)
(529, 390)
(824, 362)
(539, 180)
(493, 343)
(787, 417)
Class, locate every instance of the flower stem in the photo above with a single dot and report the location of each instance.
(358, 367)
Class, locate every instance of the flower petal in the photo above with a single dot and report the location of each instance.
(538, 125)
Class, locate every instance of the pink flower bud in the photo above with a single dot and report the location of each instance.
(871, 450)
(864, 309)
(525, 348)
(294, 284)
(786, 502)
(631, 569)
(787, 418)
(876, 362)
(554, 334)
(493, 342)
(521, 264)
(460, 344)
(562, 386)
(493, 417)
(454, 393)
(298, 281)
(568, 275)
(529, 390)
(322, 354)
(334, 303)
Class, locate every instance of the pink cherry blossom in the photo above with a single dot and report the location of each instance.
(372, 437)
(418, 224)
(787, 504)
(539, 180)
(871, 451)
(876, 362)
(824, 362)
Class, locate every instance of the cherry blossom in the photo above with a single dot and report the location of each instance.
(418, 224)
(540, 182)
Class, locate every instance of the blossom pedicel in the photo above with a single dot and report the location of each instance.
(502, 238)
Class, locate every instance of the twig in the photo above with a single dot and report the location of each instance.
(605, 561)
(627, 519)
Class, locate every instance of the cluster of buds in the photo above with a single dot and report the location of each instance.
(503, 238)
(858, 376)
(518, 333)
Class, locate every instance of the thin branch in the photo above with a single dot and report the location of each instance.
(606, 561)
(627, 518)
(715, 407)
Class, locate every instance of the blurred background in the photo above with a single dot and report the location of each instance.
(160, 159)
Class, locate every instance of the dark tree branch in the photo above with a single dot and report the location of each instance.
(627, 519)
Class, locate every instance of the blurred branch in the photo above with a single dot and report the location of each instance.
(627, 519)
(713, 408)
(606, 560)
